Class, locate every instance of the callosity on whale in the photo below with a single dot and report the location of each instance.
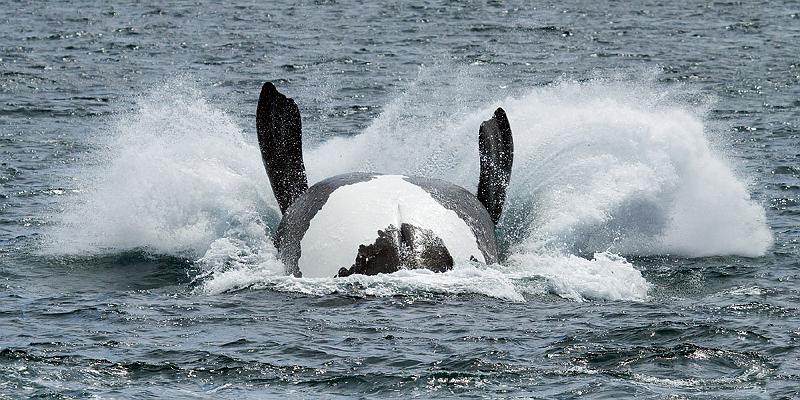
(370, 223)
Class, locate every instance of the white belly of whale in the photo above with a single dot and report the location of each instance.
(355, 213)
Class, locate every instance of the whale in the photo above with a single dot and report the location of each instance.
(373, 223)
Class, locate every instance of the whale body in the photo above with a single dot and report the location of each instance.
(371, 223)
(356, 220)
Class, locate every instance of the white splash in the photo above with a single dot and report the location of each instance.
(172, 177)
(603, 168)
(598, 166)
(463, 279)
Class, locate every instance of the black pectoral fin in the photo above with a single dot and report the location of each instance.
(496, 148)
(281, 144)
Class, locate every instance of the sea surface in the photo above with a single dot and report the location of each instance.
(650, 239)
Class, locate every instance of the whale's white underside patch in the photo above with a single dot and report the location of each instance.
(355, 213)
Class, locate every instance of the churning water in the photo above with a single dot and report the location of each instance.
(649, 240)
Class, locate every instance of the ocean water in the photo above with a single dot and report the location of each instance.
(650, 239)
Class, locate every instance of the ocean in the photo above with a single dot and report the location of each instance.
(649, 242)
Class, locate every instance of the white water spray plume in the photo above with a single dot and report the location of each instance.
(602, 169)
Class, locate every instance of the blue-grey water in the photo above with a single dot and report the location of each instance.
(650, 239)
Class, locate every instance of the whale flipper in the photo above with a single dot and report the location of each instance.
(280, 141)
(496, 148)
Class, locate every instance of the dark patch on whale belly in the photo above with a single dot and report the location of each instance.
(409, 247)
